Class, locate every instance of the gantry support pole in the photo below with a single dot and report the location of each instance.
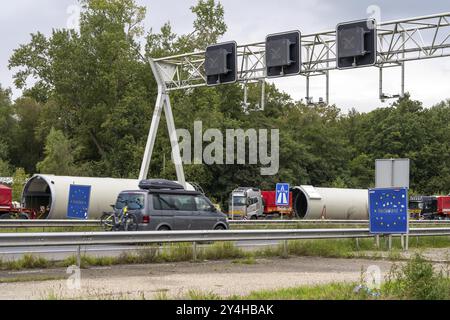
(162, 102)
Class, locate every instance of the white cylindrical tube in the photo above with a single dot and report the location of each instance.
(52, 192)
(330, 203)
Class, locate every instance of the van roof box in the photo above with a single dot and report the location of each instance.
(159, 184)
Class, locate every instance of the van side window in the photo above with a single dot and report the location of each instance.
(174, 202)
(202, 204)
(133, 201)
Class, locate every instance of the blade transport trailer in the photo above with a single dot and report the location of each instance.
(8, 210)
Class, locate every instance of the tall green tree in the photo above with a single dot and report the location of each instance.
(97, 80)
(26, 147)
(59, 155)
(6, 125)
(19, 179)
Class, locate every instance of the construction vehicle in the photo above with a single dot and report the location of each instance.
(252, 203)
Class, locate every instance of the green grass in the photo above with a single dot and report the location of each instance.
(418, 280)
(415, 280)
(32, 278)
(248, 261)
(51, 229)
(332, 291)
(26, 262)
(222, 251)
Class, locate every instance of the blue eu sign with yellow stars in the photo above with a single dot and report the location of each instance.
(79, 197)
(388, 211)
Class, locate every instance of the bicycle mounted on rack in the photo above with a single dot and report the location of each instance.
(122, 220)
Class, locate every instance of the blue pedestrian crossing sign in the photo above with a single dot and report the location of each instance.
(79, 198)
(282, 194)
(388, 211)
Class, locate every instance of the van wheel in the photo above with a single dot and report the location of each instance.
(253, 218)
(219, 227)
(164, 228)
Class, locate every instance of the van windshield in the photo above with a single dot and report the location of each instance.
(134, 201)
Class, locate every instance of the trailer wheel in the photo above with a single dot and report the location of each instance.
(23, 216)
(5, 216)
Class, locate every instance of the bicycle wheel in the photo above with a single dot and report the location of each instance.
(131, 223)
(107, 221)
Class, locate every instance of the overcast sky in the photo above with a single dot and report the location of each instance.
(252, 20)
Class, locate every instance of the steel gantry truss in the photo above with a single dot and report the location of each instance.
(399, 41)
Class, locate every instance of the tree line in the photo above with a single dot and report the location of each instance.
(88, 98)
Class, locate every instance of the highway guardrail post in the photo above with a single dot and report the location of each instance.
(357, 244)
(194, 251)
(390, 242)
(285, 249)
(79, 256)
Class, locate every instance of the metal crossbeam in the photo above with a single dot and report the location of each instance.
(398, 41)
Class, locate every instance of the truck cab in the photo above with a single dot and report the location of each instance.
(246, 203)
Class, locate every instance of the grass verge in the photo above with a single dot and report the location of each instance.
(337, 248)
(415, 280)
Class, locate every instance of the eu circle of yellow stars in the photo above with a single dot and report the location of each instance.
(389, 209)
(79, 201)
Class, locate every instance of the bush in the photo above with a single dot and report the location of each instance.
(417, 280)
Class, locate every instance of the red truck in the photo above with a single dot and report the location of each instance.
(252, 203)
(270, 204)
(443, 204)
(436, 207)
(7, 210)
(430, 207)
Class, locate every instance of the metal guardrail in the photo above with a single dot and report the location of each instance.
(342, 222)
(108, 238)
(96, 223)
(105, 238)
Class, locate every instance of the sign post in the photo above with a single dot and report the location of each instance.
(389, 202)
